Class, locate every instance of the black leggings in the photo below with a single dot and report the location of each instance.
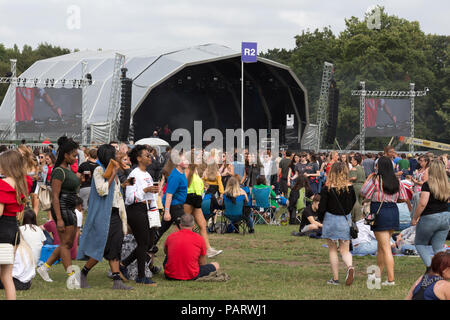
(138, 221)
(176, 212)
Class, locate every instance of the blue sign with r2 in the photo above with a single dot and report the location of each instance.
(249, 52)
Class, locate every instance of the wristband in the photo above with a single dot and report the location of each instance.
(166, 209)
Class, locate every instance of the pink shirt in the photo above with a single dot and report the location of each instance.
(371, 190)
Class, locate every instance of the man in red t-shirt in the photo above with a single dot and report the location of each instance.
(186, 253)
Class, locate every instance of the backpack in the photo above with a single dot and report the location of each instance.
(301, 202)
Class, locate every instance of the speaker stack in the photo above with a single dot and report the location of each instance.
(125, 106)
(333, 107)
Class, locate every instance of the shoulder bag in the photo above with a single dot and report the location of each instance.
(353, 227)
(369, 217)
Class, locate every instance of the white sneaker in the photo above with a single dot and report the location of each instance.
(388, 283)
(73, 282)
(211, 252)
(43, 272)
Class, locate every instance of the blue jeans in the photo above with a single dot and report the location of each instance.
(366, 248)
(405, 247)
(432, 230)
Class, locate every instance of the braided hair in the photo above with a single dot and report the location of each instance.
(65, 146)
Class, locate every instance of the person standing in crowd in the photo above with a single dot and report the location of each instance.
(226, 169)
(384, 190)
(431, 216)
(337, 199)
(368, 164)
(140, 198)
(186, 253)
(300, 167)
(357, 178)
(213, 180)
(403, 165)
(124, 168)
(193, 204)
(13, 193)
(343, 158)
(106, 222)
(334, 157)
(65, 185)
(301, 182)
(239, 166)
(47, 174)
(253, 169)
(32, 234)
(85, 173)
(32, 170)
(175, 196)
(421, 174)
(312, 173)
(435, 284)
(283, 172)
(413, 164)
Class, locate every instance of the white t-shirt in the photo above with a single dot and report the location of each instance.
(34, 238)
(364, 233)
(23, 269)
(135, 193)
(79, 218)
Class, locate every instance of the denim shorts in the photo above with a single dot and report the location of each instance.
(336, 227)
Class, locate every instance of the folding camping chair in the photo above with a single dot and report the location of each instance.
(302, 202)
(207, 213)
(234, 213)
(262, 208)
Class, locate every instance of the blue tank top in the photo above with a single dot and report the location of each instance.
(425, 289)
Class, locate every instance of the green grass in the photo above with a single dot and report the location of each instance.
(269, 264)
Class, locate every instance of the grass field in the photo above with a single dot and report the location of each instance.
(269, 264)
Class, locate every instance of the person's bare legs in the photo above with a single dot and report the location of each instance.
(63, 251)
(344, 249)
(334, 259)
(200, 221)
(35, 202)
(385, 259)
(7, 281)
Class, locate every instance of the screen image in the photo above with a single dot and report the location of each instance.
(48, 110)
(387, 117)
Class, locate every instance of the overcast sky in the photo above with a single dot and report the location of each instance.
(134, 24)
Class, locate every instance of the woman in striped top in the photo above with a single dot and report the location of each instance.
(385, 190)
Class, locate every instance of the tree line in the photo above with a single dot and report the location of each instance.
(388, 58)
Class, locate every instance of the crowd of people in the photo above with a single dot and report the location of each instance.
(104, 194)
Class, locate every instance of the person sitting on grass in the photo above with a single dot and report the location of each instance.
(309, 221)
(433, 285)
(186, 253)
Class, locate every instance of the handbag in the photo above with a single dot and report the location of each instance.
(7, 251)
(154, 219)
(353, 227)
(369, 217)
(45, 197)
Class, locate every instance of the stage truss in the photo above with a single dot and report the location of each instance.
(363, 93)
(14, 82)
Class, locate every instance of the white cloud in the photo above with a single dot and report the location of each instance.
(120, 24)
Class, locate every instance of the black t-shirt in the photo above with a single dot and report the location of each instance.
(311, 168)
(307, 212)
(434, 205)
(300, 168)
(284, 166)
(329, 201)
(87, 166)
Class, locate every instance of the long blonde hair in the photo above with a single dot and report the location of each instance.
(12, 165)
(437, 180)
(28, 156)
(211, 172)
(233, 189)
(338, 176)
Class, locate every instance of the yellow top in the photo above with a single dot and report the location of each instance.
(196, 185)
(217, 182)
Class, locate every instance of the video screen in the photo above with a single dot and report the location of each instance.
(48, 110)
(387, 117)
